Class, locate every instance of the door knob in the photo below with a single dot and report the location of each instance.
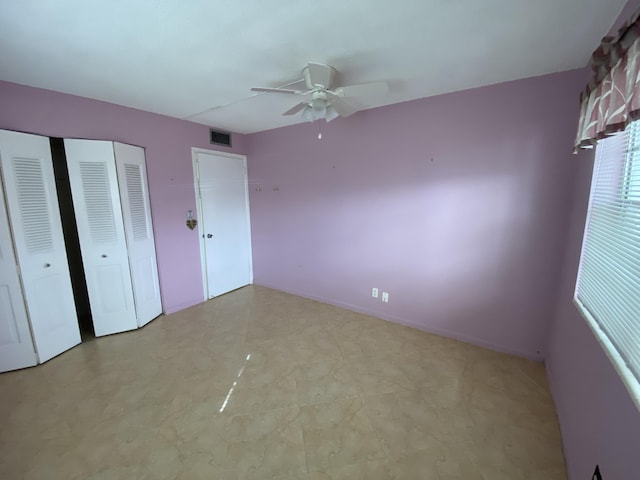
(47, 265)
(103, 256)
(209, 235)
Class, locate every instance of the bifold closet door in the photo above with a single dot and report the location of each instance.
(33, 210)
(132, 178)
(96, 203)
(16, 346)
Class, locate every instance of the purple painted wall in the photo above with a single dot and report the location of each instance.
(167, 142)
(600, 423)
(456, 205)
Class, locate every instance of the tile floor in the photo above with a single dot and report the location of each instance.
(258, 384)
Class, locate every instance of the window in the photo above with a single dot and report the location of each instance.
(608, 287)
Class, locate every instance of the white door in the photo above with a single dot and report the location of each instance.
(96, 202)
(35, 218)
(134, 195)
(16, 346)
(224, 216)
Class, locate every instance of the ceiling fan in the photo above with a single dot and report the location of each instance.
(323, 101)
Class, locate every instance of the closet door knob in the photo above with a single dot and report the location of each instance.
(47, 265)
(209, 235)
(103, 255)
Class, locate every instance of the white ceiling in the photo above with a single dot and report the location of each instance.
(184, 57)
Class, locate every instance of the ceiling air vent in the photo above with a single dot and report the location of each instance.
(220, 138)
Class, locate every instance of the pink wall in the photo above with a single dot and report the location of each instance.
(456, 205)
(167, 142)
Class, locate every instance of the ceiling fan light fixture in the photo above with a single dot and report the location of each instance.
(316, 109)
(307, 113)
(331, 113)
(319, 108)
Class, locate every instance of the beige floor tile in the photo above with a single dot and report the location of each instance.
(323, 381)
(120, 472)
(438, 463)
(273, 354)
(280, 392)
(200, 466)
(377, 375)
(374, 470)
(338, 433)
(309, 319)
(517, 452)
(315, 346)
(198, 429)
(265, 445)
(310, 392)
(404, 422)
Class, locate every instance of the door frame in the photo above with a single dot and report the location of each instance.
(198, 214)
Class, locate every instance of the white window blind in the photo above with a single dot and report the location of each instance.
(608, 286)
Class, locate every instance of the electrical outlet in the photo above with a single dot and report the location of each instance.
(374, 292)
(385, 297)
(596, 474)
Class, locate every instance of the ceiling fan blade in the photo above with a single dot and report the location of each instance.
(363, 90)
(343, 108)
(276, 90)
(295, 109)
(320, 74)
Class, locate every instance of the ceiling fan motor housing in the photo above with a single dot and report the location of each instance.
(319, 102)
(318, 75)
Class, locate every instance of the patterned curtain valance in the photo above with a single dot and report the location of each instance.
(611, 99)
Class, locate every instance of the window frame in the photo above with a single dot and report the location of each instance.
(624, 190)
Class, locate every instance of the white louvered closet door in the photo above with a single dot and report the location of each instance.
(134, 195)
(96, 202)
(39, 243)
(16, 346)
